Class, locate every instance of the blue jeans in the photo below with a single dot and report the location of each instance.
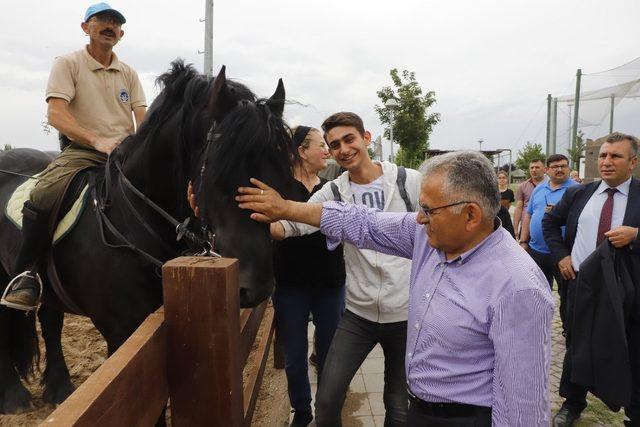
(353, 341)
(292, 306)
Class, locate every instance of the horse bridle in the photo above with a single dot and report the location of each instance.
(205, 228)
(205, 241)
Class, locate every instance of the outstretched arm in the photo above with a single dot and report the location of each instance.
(388, 232)
(269, 206)
(276, 229)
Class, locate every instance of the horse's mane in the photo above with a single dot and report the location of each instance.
(184, 95)
(249, 135)
(183, 88)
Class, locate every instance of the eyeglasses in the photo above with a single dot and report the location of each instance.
(427, 211)
(558, 166)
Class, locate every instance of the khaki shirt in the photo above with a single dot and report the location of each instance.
(100, 99)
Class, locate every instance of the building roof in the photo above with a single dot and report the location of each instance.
(431, 153)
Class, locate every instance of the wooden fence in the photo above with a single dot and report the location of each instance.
(191, 351)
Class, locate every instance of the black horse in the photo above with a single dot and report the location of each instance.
(212, 132)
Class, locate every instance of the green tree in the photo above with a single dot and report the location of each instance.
(577, 152)
(529, 152)
(412, 121)
(7, 147)
(403, 159)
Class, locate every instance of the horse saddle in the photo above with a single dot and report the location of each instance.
(13, 209)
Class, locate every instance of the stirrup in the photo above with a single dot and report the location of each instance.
(22, 307)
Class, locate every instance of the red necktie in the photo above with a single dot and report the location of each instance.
(605, 215)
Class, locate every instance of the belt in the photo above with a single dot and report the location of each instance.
(448, 409)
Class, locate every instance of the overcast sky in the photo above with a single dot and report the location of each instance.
(491, 63)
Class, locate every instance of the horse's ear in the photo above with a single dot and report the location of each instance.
(276, 102)
(216, 101)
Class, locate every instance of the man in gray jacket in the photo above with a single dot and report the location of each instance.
(376, 284)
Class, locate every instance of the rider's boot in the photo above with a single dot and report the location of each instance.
(23, 292)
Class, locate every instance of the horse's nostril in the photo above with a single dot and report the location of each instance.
(253, 297)
(247, 298)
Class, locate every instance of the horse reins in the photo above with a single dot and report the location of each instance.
(24, 175)
(204, 229)
(181, 228)
(205, 239)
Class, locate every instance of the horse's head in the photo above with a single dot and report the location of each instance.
(165, 152)
(248, 138)
(221, 125)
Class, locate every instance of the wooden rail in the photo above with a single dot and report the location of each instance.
(127, 389)
(192, 350)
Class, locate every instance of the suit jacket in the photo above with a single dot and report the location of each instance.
(603, 334)
(568, 210)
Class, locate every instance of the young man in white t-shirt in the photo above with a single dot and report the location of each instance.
(377, 285)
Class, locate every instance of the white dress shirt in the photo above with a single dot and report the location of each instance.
(586, 235)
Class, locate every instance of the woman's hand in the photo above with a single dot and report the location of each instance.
(191, 198)
(276, 230)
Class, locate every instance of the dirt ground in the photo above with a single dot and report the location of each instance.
(272, 407)
(85, 351)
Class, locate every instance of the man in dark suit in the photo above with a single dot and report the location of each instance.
(605, 209)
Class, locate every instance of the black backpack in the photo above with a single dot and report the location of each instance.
(400, 182)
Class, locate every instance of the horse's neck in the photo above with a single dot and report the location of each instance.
(153, 172)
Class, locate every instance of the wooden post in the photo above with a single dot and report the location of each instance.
(201, 302)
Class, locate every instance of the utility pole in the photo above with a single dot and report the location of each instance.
(510, 160)
(391, 137)
(574, 136)
(548, 147)
(480, 141)
(554, 128)
(613, 101)
(391, 105)
(208, 39)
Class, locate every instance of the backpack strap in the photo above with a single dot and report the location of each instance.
(336, 192)
(400, 182)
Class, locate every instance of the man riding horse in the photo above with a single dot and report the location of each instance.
(91, 96)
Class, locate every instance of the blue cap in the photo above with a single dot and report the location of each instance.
(102, 7)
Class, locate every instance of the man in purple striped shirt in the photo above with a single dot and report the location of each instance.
(480, 310)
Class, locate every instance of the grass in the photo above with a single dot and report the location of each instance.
(597, 413)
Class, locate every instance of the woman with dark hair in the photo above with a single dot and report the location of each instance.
(506, 194)
(309, 280)
(506, 198)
